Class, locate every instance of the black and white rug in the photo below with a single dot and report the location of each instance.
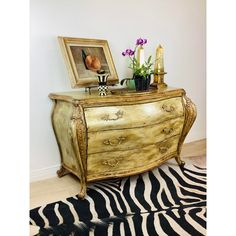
(168, 200)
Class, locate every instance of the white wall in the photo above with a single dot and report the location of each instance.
(179, 26)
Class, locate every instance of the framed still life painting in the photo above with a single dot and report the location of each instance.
(84, 58)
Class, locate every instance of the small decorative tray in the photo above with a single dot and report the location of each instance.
(126, 91)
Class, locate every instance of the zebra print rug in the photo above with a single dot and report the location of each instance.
(168, 200)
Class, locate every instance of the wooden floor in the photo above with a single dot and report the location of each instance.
(55, 189)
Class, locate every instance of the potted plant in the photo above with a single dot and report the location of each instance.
(142, 69)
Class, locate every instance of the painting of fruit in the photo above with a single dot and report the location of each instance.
(85, 59)
(89, 60)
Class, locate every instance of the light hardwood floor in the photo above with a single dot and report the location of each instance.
(55, 189)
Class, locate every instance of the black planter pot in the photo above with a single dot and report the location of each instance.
(142, 83)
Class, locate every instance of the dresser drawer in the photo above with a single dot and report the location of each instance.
(101, 165)
(124, 139)
(129, 116)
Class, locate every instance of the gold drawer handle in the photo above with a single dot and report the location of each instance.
(111, 163)
(167, 108)
(114, 141)
(167, 130)
(119, 115)
(163, 149)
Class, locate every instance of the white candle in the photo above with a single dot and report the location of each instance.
(159, 65)
(141, 58)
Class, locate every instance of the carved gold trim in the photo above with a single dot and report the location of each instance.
(190, 117)
(79, 143)
(94, 99)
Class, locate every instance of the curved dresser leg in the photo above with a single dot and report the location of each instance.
(62, 171)
(190, 116)
(81, 173)
(83, 189)
(78, 141)
(179, 161)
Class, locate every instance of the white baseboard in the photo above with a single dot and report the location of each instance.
(190, 138)
(44, 173)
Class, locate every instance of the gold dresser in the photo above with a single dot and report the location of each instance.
(120, 134)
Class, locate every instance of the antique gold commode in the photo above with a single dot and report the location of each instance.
(120, 134)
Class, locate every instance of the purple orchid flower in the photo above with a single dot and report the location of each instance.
(141, 41)
(128, 52)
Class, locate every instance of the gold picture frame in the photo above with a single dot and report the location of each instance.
(84, 57)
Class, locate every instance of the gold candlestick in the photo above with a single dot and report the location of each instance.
(159, 71)
(159, 80)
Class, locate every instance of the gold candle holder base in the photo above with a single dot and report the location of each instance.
(159, 80)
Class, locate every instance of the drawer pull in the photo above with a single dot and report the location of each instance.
(111, 163)
(114, 141)
(119, 115)
(163, 149)
(167, 108)
(167, 130)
